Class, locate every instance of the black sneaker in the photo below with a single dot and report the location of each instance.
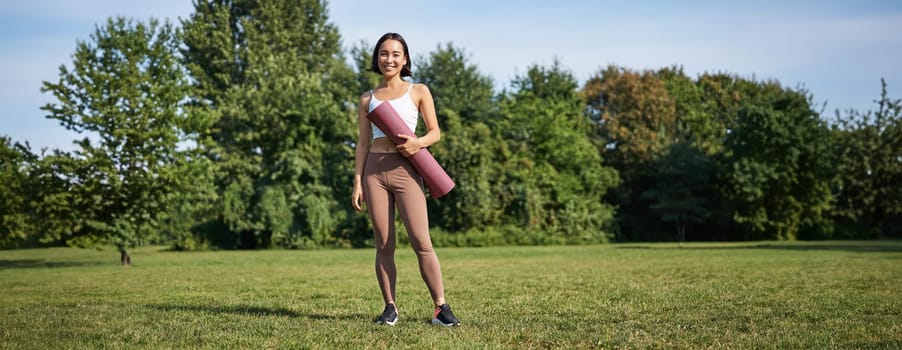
(389, 316)
(444, 316)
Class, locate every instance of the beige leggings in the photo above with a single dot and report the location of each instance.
(390, 179)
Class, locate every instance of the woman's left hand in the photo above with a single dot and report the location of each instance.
(410, 146)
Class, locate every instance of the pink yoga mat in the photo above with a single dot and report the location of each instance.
(388, 120)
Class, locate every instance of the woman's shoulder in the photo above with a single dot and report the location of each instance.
(420, 89)
(365, 97)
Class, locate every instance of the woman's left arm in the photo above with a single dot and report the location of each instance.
(423, 99)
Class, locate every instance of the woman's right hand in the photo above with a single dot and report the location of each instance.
(357, 197)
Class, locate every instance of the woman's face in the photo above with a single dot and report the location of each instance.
(392, 57)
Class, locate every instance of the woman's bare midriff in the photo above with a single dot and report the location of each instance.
(383, 145)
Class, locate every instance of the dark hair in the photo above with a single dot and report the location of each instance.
(374, 67)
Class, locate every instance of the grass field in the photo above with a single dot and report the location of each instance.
(819, 295)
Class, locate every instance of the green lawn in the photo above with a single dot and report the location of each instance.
(756, 295)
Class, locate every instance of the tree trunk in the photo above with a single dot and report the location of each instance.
(124, 259)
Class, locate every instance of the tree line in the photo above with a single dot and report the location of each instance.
(235, 128)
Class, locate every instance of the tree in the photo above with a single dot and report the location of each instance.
(362, 54)
(464, 106)
(556, 178)
(635, 121)
(695, 123)
(681, 195)
(15, 194)
(457, 84)
(272, 82)
(705, 110)
(868, 148)
(635, 117)
(777, 168)
(125, 90)
(61, 200)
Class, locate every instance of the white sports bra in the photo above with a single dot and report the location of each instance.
(403, 105)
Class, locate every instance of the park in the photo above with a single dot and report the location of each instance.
(207, 201)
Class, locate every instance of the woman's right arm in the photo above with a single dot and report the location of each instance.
(364, 134)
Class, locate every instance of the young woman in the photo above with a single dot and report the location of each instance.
(384, 178)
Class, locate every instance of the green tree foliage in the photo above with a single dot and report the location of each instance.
(464, 108)
(15, 194)
(273, 85)
(868, 147)
(635, 117)
(723, 95)
(192, 205)
(682, 192)
(695, 122)
(61, 201)
(458, 85)
(555, 176)
(777, 166)
(706, 109)
(125, 89)
(721, 153)
(361, 55)
(635, 121)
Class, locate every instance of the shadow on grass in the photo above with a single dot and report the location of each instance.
(849, 246)
(40, 263)
(253, 311)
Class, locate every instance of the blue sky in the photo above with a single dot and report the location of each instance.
(838, 50)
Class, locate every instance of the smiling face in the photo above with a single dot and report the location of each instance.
(392, 57)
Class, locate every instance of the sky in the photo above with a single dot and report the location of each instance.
(837, 50)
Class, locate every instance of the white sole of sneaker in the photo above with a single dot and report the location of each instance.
(387, 323)
(439, 322)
